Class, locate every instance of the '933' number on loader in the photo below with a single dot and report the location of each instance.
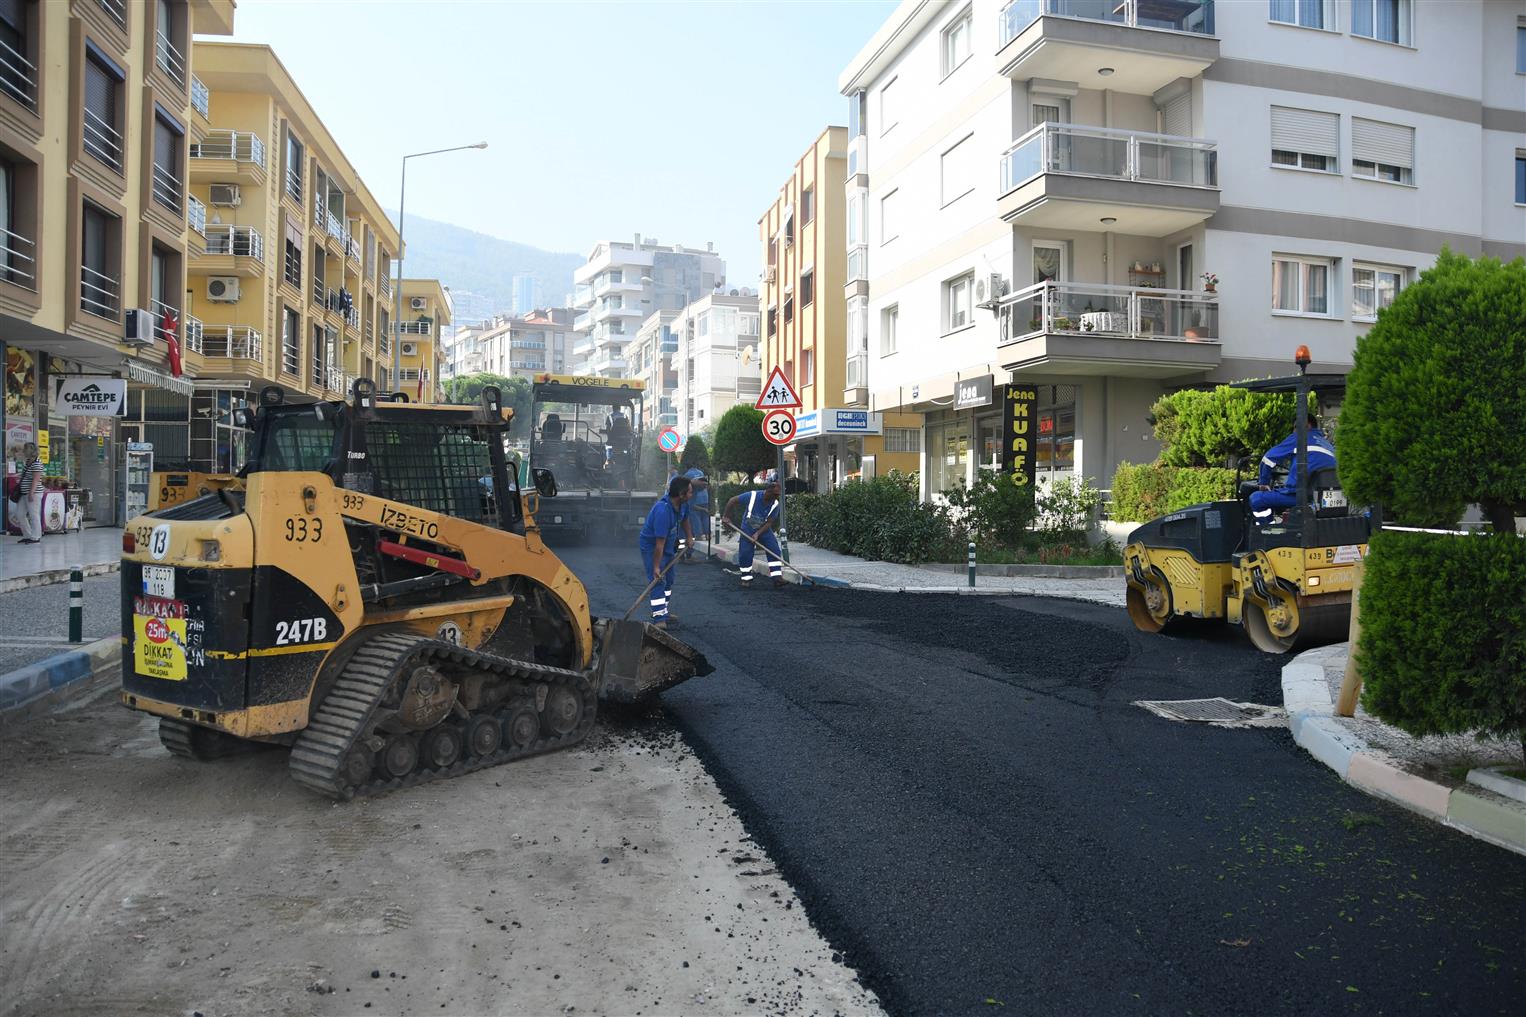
(301, 529)
(301, 630)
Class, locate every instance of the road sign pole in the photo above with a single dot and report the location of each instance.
(783, 533)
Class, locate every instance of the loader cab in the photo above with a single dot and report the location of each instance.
(587, 429)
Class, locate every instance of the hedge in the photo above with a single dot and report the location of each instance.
(1144, 491)
(1443, 643)
(880, 519)
(1206, 427)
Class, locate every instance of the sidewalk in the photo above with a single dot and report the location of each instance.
(832, 569)
(1448, 779)
(24, 565)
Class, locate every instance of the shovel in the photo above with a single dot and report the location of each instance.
(769, 554)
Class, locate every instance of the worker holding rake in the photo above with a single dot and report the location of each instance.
(759, 511)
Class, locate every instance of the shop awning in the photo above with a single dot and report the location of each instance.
(158, 379)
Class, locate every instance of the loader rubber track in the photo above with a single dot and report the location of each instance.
(345, 714)
(192, 741)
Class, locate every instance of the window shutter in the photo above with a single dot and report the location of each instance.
(1307, 131)
(165, 143)
(1391, 144)
(1178, 117)
(100, 93)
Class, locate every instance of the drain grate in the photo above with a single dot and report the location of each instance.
(1218, 711)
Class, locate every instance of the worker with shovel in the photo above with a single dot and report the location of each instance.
(659, 542)
(759, 511)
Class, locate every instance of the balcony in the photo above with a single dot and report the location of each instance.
(423, 328)
(100, 294)
(194, 334)
(583, 322)
(232, 250)
(101, 140)
(1096, 329)
(158, 309)
(226, 156)
(18, 76)
(526, 344)
(201, 98)
(1072, 177)
(166, 188)
(18, 260)
(607, 364)
(230, 342)
(383, 284)
(351, 245)
(196, 214)
(1142, 45)
(169, 58)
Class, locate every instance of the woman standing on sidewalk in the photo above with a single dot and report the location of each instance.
(27, 510)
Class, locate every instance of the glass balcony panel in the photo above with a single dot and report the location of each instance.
(1023, 161)
(1177, 162)
(1176, 15)
(1109, 311)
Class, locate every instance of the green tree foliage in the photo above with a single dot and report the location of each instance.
(1443, 643)
(739, 443)
(695, 454)
(880, 519)
(1146, 491)
(993, 510)
(1206, 428)
(1435, 412)
(516, 394)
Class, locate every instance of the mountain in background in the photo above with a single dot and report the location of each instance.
(483, 266)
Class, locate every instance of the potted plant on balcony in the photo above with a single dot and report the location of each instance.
(1210, 283)
(1062, 323)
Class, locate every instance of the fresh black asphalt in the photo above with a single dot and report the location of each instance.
(974, 813)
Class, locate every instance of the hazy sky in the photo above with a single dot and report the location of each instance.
(678, 120)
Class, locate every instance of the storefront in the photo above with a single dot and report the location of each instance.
(829, 445)
(966, 437)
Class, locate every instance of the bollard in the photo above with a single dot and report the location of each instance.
(77, 604)
(971, 561)
(783, 547)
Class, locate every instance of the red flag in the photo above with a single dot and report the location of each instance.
(420, 397)
(169, 325)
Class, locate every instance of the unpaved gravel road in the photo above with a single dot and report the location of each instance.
(611, 878)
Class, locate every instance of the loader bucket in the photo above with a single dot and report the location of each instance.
(637, 661)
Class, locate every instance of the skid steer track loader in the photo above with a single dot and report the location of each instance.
(377, 596)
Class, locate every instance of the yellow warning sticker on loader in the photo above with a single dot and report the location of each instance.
(159, 647)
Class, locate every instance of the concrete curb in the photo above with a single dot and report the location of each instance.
(59, 676)
(1477, 811)
(53, 576)
(1034, 571)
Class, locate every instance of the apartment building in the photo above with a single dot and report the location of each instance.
(522, 347)
(622, 284)
(715, 357)
(526, 293)
(649, 359)
(427, 309)
(806, 324)
(96, 121)
(463, 348)
(1105, 201)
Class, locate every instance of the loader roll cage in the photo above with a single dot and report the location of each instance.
(448, 459)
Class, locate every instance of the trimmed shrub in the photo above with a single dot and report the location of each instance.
(1067, 506)
(879, 519)
(1205, 428)
(1443, 643)
(695, 454)
(1435, 412)
(739, 443)
(994, 510)
(1144, 491)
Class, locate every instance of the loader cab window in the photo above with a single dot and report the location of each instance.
(446, 468)
(296, 440)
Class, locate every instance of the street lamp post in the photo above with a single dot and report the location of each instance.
(397, 296)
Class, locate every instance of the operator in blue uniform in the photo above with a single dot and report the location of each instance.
(759, 511)
(1268, 500)
(668, 518)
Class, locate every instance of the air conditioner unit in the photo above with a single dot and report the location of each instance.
(989, 288)
(223, 289)
(224, 194)
(139, 328)
(410, 349)
(769, 276)
(416, 303)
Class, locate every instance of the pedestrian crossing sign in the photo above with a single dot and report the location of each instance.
(778, 394)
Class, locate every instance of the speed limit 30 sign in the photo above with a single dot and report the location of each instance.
(779, 426)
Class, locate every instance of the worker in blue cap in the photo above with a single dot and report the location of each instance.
(666, 524)
(759, 511)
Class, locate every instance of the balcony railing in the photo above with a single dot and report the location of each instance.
(169, 58)
(1177, 15)
(583, 322)
(159, 309)
(102, 140)
(320, 292)
(351, 245)
(196, 214)
(1117, 312)
(99, 293)
(201, 98)
(335, 226)
(1109, 152)
(370, 330)
(415, 328)
(291, 355)
(239, 241)
(193, 333)
(166, 188)
(18, 259)
(232, 342)
(117, 9)
(240, 146)
(383, 284)
(527, 344)
(291, 268)
(351, 317)
(294, 182)
(18, 76)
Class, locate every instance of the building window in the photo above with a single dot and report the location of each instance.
(890, 226)
(1520, 49)
(856, 202)
(169, 52)
(889, 116)
(807, 206)
(18, 222)
(1301, 285)
(807, 367)
(291, 330)
(702, 324)
(903, 439)
(958, 302)
(956, 41)
(890, 322)
(1520, 178)
(100, 289)
(18, 74)
(1383, 20)
(807, 287)
(958, 166)
(101, 130)
(1304, 13)
(294, 163)
(1382, 151)
(1373, 287)
(789, 309)
(773, 252)
(292, 270)
(1306, 139)
(856, 118)
(789, 225)
(773, 321)
(169, 139)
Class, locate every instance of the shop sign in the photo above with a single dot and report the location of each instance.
(1019, 413)
(972, 392)
(832, 421)
(92, 397)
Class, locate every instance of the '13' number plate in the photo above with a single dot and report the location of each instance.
(159, 581)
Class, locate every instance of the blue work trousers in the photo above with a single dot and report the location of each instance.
(1264, 503)
(662, 593)
(770, 544)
